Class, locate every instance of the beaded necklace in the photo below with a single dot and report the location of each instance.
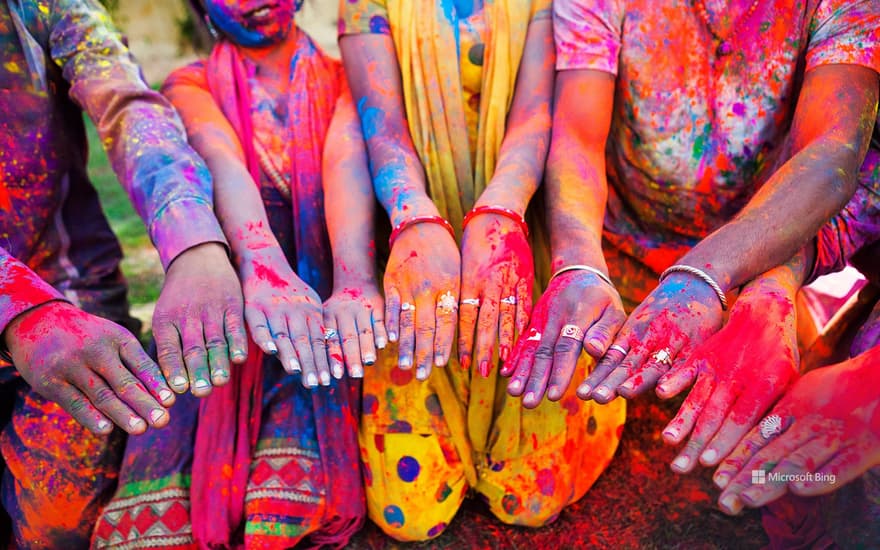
(724, 48)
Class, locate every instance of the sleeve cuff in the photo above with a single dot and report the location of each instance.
(182, 225)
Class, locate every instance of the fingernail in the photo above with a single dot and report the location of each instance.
(311, 380)
(484, 368)
(628, 386)
(749, 495)
(681, 462)
(421, 373)
(595, 343)
(584, 390)
(466, 362)
(405, 362)
(293, 365)
(671, 433)
(136, 423)
(603, 392)
(731, 503)
(530, 397)
(709, 456)
(392, 336)
(369, 359)
(325, 378)
(178, 381)
(270, 345)
(103, 425)
(239, 355)
(220, 376)
(553, 393)
(156, 415)
(503, 352)
(357, 371)
(202, 384)
(721, 480)
(516, 385)
(338, 371)
(661, 388)
(165, 395)
(381, 343)
(439, 360)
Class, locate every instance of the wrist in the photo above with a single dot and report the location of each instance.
(415, 205)
(504, 195)
(25, 322)
(206, 255)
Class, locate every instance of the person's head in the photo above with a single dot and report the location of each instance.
(250, 23)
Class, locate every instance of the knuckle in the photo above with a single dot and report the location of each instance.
(194, 352)
(215, 343)
(544, 352)
(104, 397)
(565, 346)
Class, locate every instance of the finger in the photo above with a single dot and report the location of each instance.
(334, 342)
(731, 466)
(706, 426)
(425, 324)
(392, 313)
(507, 311)
(81, 409)
(407, 335)
(195, 357)
(487, 331)
(644, 374)
(318, 342)
(351, 349)
(299, 332)
(103, 398)
(542, 364)
(278, 327)
(677, 380)
(258, 324)
(589, 388)
(601, 334)
(169, 357)
(528, 340)
(744, 414)
(523, 304)
(565, 357)
(366, 338)
(797, 465)
(467, 323)
(379, 330)
(845, 466)
(236, 336)
(683, 422)
(132, 393)
(444, 331)
(216, 343)
(139, 362)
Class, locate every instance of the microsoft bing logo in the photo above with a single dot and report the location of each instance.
(759, 477)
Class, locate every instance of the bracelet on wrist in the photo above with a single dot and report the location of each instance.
(700, 274)
(499, 210)
(399, 228)
(591, 269)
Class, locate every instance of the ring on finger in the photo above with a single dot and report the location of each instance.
(572, 331)
(618, 348)
(447, 303)
(771, 426)
(470, 302)
(406, 306)
(280, 335)
(330, 333)
(534, 336)
(663, 357)
(510, 300)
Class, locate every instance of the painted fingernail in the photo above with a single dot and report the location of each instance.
(681, 462)
(484, 368)
(405, 362)
(157, 415)
(595, 343)
(178, 381)
(731, 503)
(293, 365)
(325, 378)
(220, 376)
(103, 425)
(369, 359)
(709, 456)
(357, 371)
(381, 343)
(311, 380)
(136, 423)
(165, 395)
(270, 345)
(392, 336)
(515, 385)
(721, 480)
(202, 384)
(466, 362)
(338, 371)
(421, 373)
(503, 352)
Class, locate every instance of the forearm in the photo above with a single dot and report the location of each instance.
(22, 290)
(397, 172)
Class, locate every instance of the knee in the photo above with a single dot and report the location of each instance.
(534, 510)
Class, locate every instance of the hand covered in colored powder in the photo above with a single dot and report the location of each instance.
(284, 315)
(422, 280)
(741, 371)
(869, 335)
(95, 369)
(498, 270)
(544, 359)
(659, 334)
(355, 312)
(830, 424)
(198, 323)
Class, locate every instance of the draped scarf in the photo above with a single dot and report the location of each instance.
(229, 419)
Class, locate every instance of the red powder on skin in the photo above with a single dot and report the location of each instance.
(266, 274)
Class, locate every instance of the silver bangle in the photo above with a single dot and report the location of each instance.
(591, 269)
(703, 276)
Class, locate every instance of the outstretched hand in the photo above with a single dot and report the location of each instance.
(355, 312)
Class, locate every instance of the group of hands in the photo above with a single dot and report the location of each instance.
(830, 418)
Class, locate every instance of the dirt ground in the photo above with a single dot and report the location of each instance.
(153, 28)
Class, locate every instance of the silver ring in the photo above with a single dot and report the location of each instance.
(618, 348)
(330, 333)
(510, 300)
(771, 426)
(572, 331)
(470, 302)
(663, 357)
(447, 303)
(534, 336)
(406, 306)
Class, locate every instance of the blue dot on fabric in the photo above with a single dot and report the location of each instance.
(379, 25)
(393, 516)
(408, 469)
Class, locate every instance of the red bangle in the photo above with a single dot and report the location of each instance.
(398, 229)
(501, 211)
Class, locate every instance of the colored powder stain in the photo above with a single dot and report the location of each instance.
(592, 425)
(379, 442)
(265, 274)
(408, 469)
(739, 109)
(496, 466)
(700, 143)
(401, 377)
(393, 516)
(443, 492)
(571, 406)
(546, 482)
(368, 474)
(432, 403)
(436, 530)
(371, 118)
(370, 403)
(511, 504)
(400, 427)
